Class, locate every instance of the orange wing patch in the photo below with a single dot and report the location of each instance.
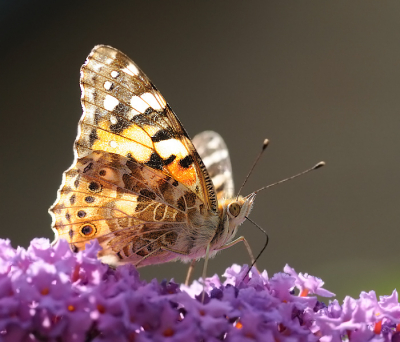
(182, 166)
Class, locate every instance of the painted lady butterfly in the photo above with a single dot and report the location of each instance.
(138, 184)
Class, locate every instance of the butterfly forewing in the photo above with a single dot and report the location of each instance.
(125, 114)
(137, 183)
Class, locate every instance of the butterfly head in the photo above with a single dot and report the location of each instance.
(238, 209)
(233, 212)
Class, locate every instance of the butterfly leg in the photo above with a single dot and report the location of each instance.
(205, 272)
(234, 242)
(189, 272)
(191, 267)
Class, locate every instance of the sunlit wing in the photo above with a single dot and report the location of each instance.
(137, 184)
(124, 113)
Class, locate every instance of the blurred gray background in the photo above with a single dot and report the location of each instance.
(320, 79)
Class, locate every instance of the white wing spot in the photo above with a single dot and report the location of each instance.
(214, 143)
(113, 120)
(215, 157)
(131, 70)
(138, 104)
(110, 102)
(107, 85)
(165, 147)
(113, 144)
(114, 74)
(151, 100)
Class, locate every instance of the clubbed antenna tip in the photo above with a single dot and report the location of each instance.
(265, 144)
(317, 166)
(320, 164)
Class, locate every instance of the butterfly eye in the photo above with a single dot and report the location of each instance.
(234, 209)
(88, 230)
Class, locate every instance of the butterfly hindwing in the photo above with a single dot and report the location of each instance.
(131, 209)
(214, 153)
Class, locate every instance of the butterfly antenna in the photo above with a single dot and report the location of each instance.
(265, 144)
(317, 166)
(262, 250)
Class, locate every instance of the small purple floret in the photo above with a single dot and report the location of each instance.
(48, 293)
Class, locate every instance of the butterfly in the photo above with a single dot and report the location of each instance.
(138, 184)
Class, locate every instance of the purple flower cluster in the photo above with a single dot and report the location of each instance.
(51, 294)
